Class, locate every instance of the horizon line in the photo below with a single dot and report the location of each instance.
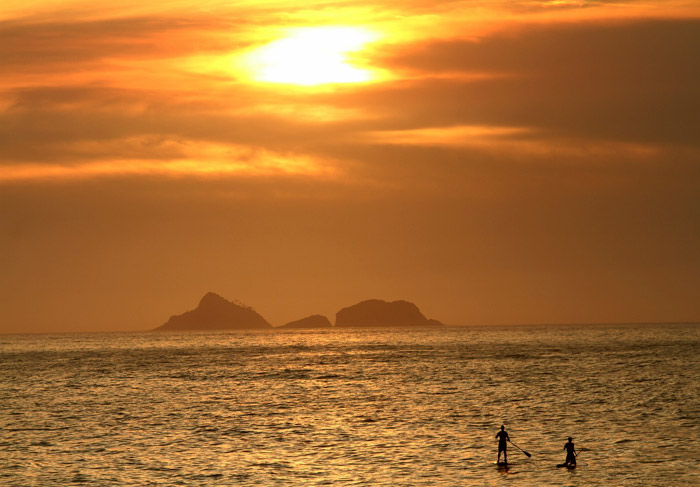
(276, 327)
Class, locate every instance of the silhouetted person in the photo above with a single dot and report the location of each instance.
(570, 453)
(503, 439)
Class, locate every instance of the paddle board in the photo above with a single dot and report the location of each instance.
(564, 465)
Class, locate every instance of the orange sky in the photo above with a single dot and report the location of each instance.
(492, 161)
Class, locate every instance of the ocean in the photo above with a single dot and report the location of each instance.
(352, 407)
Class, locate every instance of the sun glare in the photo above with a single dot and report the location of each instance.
(311, 56)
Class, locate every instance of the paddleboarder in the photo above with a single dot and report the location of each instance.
(503, 440)
(570, 453)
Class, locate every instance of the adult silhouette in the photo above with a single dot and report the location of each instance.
(570, 453)
(503, 440)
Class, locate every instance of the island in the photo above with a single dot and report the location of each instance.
(216, 313)
(376, 312)
(313, 321)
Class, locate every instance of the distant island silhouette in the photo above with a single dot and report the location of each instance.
(217, 313)
(375, 312)
(313, 321)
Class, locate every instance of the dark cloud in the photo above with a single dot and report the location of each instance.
(635, 81)
(65, 119)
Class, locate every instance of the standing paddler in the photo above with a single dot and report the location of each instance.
(503, 440)
(570, 454)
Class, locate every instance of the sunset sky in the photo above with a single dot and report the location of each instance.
(491, 161)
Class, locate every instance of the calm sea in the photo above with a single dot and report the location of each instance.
(378, 407)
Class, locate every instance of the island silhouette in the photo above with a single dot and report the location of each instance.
(313, 321)
(375, 312)
(217, 313)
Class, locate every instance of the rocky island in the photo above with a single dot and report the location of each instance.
(216, 313)
(375, 312)
(313, 321)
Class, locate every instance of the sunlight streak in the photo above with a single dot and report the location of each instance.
(214, 160)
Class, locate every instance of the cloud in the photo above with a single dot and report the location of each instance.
(45, 47)
(633, 81)
(555, 90)
(172, 159)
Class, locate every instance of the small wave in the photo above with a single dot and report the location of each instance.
(80, 478)
(271, 465)
(42, 443)
(163, 469)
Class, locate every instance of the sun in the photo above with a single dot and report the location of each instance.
(311, 56)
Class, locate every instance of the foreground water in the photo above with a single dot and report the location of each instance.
(379, 407)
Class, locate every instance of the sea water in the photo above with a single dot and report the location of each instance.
(364, 407)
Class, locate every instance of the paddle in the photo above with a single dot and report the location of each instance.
(516, 446)
(580, 450)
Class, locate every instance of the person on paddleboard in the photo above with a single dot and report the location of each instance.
(570, 453)
(503, 440)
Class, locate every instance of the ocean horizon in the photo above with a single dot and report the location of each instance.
(281, 328)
